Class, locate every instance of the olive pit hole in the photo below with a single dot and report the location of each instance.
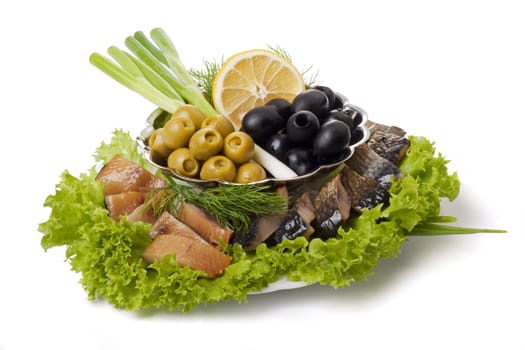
(235, 142)
(189, 165)
(302, 121)
(210, 137)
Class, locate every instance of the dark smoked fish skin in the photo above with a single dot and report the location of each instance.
(259, 230)
(369, 164)
(291, 227)
(332, 208)
(367, 175)
(388, 142)
(364, 192)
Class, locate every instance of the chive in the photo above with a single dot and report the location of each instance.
(431, 229)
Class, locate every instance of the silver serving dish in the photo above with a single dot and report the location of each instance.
(158, 117)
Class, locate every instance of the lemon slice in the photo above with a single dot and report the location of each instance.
(252, 78)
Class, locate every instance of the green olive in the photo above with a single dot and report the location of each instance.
(250, 172)
(218, 168)
(218, 122)
(156, 143)
(205, 142)
(239, 147)
(177, 131)
(183, 162)
(191, 111)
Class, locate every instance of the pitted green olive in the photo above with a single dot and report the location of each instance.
(156, 143)
(195, 114)
(250, 172)
(239, 147)
(205, 142)
(218, 168)
(183, 162)
(220, 123)
(177, 131)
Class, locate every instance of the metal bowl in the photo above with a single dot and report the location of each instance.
(359, 136)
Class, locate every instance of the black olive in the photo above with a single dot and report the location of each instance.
(336, 114)
(357, 118)
(278, 145)
(312, 100)
(301, 127)
(261, 123)
(338, 103)
(329, 93)
(357, 135)
(301, 160)
(283, 107)
(332, 159)
(332, 139)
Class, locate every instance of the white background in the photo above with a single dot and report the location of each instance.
(453, 71)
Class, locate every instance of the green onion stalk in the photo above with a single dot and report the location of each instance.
(434, 227)
(154, 71)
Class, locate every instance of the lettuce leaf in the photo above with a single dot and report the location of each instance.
(123, 145)
(107, 254)
(416, 197)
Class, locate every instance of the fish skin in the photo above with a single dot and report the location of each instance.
(291, 227)
(305, 208)
(171, 236)
(261, 227)
(167, 224)
(123, 203)
(142, 214)
(122, 175)
(364, 192)
(189, 252)
(204, 224)
(259, 230)
(287, 226)
(369, 164)
(387, 141)
(126, 186)
(332, 208)
(367, 175)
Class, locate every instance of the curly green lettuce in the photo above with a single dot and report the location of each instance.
(107, 254)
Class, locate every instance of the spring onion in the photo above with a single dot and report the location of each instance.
(155, 73)
(132, 78)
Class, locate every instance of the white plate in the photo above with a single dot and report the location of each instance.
(281, 284)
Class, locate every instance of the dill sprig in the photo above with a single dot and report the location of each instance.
(205, 76)
(309, 75)
(232, 206)
(281, 52)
